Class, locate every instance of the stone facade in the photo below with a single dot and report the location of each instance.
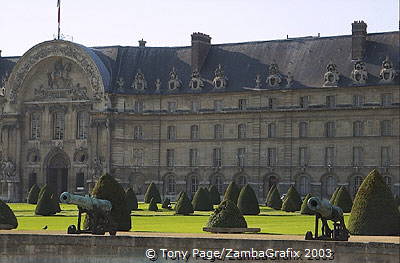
(68, 116)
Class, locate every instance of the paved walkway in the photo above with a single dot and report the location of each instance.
(383, 239)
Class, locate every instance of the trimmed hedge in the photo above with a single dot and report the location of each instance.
(47, 205)
(305, 210)
(152, 192)
(7, 218)
(153, 205)
(166, 203)
(374, 211)
(232, 192)
(183, 205)
(333, 197)
(33, 195)
(201, 200)
(108, 188)
(131, 200)
(248, 202)
(227, 215)
(214, 195)
(343, 200)
(292, 201)
(275, 200)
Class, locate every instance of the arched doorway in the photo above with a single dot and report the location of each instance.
(57, 172)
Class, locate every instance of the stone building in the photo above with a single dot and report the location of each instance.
(314, 112)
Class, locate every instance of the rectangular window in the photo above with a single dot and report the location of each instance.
(329, 156)
(330, 101)
(171, 106)
(137, 133)
(218, 105)
(358, 100)
(386, 99)
(304, 102)
(193, 157)
(217, 157)
(303, 156)
(35, 126)
(385, 156)
(271, 130)
(357, 156)
(218, 132)
(80, 181)
(386, 128)
(303, 129)
(194, 132)
(241, 152)
(271, 157)
(82, 125)
(58, 125)
(195, 106)
(138, 157)
(171, 133)
(170, 157)
(139, 105)
(242, 104)
(272, 102)
(330, 129)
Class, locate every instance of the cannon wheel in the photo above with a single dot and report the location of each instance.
(113, 233)
(71, 229)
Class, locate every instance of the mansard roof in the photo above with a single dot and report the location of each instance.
(305, 58)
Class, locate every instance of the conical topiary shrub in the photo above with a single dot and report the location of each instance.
(151, 192)
(292, 201)
(270, 191)
(333, 197)
(214, 195)
(248, 202)
(166, 203)
(183, 205)
(305, 210)
(232, 192)
(227, 215)
(374, 211)
(108, 188)
(343, 200)
(153, 205)
(275, 200)
(33, 194)
(7, 218)
(131, 200)
(46, 205)
(397, 202)
(56, 202)
(201, 200)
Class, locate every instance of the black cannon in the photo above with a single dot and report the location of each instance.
(325, 211)
(98, 210)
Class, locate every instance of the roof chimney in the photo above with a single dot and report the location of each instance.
(358, 37)
(0, 53)
(142, 43)
(201, 44)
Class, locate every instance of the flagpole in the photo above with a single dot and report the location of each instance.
(59, 16)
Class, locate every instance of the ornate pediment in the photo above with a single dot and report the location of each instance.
(387, 73)
(139, 82)
(274, 79)
(359, 74)
(196, 82)
(174, 82)
(331, 77)
(220, 81)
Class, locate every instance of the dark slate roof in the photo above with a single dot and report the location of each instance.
(305, 58)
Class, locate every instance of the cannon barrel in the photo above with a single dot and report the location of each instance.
(86, 202)
(325, 209)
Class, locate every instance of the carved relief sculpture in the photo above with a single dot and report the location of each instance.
(140, 82)
(258, 81)
(158, 84)
(174, 82)
(331, 77)
(387, 73)
(219, 81)
(120, 83)
(359, 74)
(274, 79)
(196, 82)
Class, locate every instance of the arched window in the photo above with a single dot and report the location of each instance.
(271, 130)
(304, 185)
(241, 181)
(194, 132)
(242, 131)
(218, 131)
(82, 123)
(58, 125)
(358, 128)
(357, 181)
(330, 185)
(219, 183)
(170, 182)
(303, 127)
(35, 126)
(194, 184)
(330, 129)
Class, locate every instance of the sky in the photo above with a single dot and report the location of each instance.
(25, 23)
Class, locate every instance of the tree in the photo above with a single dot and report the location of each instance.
(305, 210)
(153, 205)
(292, 201)
(131, 200)
(183, 205)
(201, 200)
(232, 192)
(227, 215)
(108, 188)
(7, 218)
(343, 200)
(47, 205)
(151, 192)
(275, 200)
(166, 204)
(374, 211)
(248, 202)
(33, 194)
(215, 198)
(333, 197)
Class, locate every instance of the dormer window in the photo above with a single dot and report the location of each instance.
(387, 73)
(359, 73)
(195, 81)
(274, 79)
(174, 82)
(140, 82)
(331, 77)
(219, 81)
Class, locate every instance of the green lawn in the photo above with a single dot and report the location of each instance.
(270, 221)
